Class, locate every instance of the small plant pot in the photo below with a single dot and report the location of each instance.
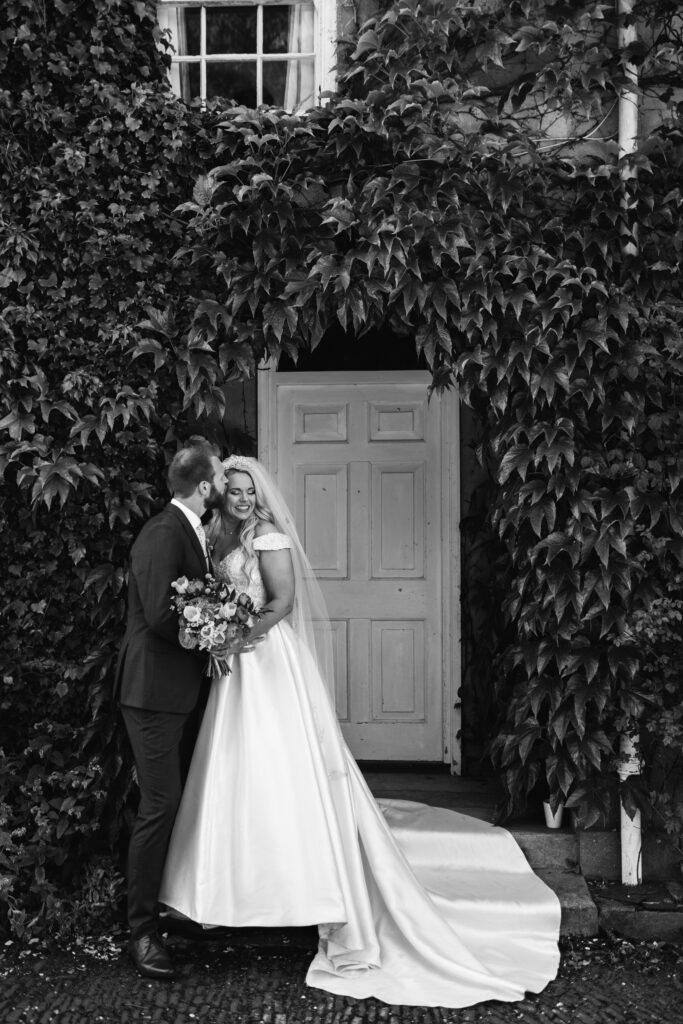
(552, 820)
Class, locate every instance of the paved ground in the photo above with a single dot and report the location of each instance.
(260, 980)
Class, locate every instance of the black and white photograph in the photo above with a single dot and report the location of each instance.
(341, 511)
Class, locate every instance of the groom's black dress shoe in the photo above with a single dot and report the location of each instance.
(150, 957)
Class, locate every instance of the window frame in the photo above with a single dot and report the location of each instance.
(323, 53)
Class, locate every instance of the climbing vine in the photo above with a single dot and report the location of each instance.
(461, 188)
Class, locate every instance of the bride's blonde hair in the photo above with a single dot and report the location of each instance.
(261, 513)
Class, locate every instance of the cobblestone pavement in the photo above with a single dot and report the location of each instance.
(601, 981)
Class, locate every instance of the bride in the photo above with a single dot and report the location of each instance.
(414, 905)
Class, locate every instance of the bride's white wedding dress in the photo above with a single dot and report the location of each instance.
(415, 905)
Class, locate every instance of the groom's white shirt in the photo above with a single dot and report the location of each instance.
(193, 518)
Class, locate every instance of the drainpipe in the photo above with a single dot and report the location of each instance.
(628, 98)
(629, 756)
(631, 834)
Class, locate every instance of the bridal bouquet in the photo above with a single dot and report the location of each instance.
(212, 615)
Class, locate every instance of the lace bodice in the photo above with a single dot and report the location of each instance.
(250, 581)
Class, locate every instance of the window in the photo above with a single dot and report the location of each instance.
(259, 52)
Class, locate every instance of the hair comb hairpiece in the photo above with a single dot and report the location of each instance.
(238, 462)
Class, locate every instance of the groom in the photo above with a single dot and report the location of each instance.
(160, 684)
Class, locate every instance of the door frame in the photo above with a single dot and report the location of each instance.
(451, 667)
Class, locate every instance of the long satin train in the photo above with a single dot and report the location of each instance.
(415, 905)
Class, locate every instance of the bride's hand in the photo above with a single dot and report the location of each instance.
(249, 645)
(237, 648)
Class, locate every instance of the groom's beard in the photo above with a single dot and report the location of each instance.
(214, 499)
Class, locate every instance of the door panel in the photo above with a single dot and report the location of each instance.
(322, 518)
(397, 521)
(398, 677)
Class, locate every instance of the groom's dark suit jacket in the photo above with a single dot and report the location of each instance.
(154, 672)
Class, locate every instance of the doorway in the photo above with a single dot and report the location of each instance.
(370, 468)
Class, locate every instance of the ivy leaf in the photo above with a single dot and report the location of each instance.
(516, 460)
(366, 42)
(203, 190)
(17, 424)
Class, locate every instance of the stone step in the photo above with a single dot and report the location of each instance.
(551, 853)
(595, 851)
(600, 856)
(554, 856)
(564, 857)
(547, 849)
(579, 912)
(645, 912)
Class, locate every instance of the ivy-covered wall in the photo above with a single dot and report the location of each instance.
(96, 156)
(152, 254)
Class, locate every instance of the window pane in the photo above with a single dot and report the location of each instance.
(274, 82)
(189, 31)
(288, 83)
(185, 80)
(288, 29)
(192, 80)
(235, 80)
(231, 30)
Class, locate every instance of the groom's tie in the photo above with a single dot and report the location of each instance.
(202, 540)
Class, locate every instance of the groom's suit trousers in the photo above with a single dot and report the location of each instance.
(162, 745)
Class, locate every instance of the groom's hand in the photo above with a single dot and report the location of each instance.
(223, 652)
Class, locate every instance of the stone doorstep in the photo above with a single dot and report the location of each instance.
(557, 856)
(585, 913)
(640, 925)
(647, 912)
(547, 849)
(579, 912)
(597, 853)
(554, 856)
(563, 858)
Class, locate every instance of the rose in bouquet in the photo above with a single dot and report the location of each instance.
(212, 615)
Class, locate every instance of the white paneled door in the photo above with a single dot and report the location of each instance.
(367, 464)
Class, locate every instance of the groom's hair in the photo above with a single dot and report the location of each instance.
(191, 465)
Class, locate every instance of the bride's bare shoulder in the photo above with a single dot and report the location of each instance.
(263, 528)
